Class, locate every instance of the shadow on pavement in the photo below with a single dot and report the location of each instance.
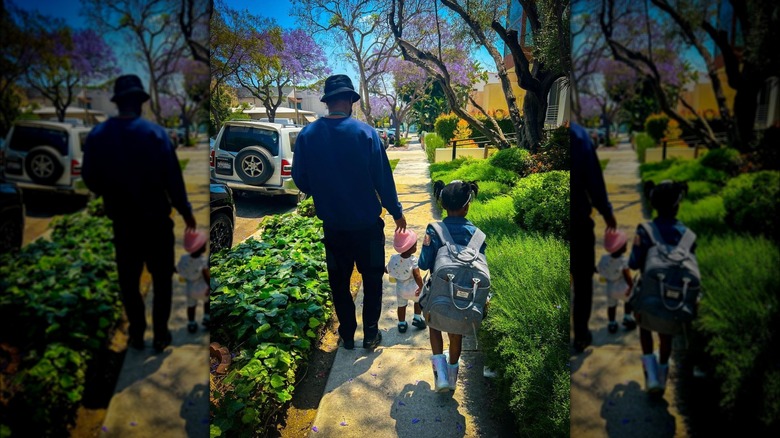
(415, 400)
(194, 410)
(630, 412)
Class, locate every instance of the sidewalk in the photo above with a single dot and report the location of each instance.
(388, 392)
(607, 382)
(167, 394)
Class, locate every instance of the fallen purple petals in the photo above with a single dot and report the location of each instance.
(400, 403)
(438, 419)
(415, 420)
(625, 421)
(104, 429)
(469, 366)
(133, 423)
(315, 429)
(460, 427)
(343, 423)
(350, 379)
(373, 374)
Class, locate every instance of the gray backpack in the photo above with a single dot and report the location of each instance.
(456, 290)
(669, 286)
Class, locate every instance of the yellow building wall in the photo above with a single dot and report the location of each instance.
(702, 98)
(492, 97)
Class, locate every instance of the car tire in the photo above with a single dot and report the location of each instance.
(43, 167)
(254, 166)
(297, 199)
(11, 233)
(220, 232)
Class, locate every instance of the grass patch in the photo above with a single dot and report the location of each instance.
(473, 170)
(603, 163)
(183, 163)
(394, 163)
(704, 217)
(683, 170)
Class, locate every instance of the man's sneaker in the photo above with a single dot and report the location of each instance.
(370, 345)
(160, 344)
(581, 344)
(419, 323)
(402, 326)
(629, 323)
(349, 344)
(612, 327)
(192, 326)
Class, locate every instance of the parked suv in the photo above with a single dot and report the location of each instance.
(256, 156)
(223, 216)
(44, 155)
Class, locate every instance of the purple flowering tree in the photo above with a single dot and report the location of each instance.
(187, 92)
(274, 64)
(68, 59)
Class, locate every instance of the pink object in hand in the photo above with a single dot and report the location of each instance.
(614, 240)
(194, 240)
(404, 240)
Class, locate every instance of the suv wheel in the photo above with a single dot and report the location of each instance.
(254, 166)
(43, 167)
(221, 232)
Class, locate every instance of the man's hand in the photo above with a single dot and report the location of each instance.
(400, 224)
(611, 222)
(190, 221)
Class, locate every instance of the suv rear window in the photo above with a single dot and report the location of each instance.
(236, 138)
(293, 137)
(25, 138)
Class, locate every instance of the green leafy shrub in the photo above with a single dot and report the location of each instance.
(542, 203)
(656, 125)
(432, 142)
(705, 216)
(739, 314)
(306, 207)
(445, 125)
(555, 151)
(643, 142)
(725, 159)
(701, 189)
(481, 171)
(752, 203)
(515, 159)
(684, 170)
(269, 299)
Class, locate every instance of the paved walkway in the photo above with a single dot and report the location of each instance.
(388, 392)
(607, 383)
(167, 394)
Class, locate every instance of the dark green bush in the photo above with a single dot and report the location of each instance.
(685, 170)
(542, 203)
(445, 125)
(306, 208)
(642, 142)
(482, 170)
(740, 315)
(655, 126)
(752, 203)
(515, 159)
(725, 159)
(555, 151)
(432, 142)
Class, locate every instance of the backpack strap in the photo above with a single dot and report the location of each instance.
(477, 240)
(653, 233)
(687, 239)
(443, 232)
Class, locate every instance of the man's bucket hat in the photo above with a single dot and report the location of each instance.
(129, 86)
(339, 84)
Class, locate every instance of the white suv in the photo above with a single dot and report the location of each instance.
(256, 156)
(44, 155)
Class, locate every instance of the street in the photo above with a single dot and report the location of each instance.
(251, 208)
(42, 206)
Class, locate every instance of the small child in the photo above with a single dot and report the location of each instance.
(403, 268)
(665, 199)
(194, 268)
(613, 267)
(456, 198)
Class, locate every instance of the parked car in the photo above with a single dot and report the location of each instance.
(223, 216)
(383, 137)
(11, 218)
(44, 155)
(391, 136)
(256, 156)
(598, 135)
(282, 121)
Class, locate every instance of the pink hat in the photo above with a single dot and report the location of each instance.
(194, 240)
(404, 240)
(614, 240)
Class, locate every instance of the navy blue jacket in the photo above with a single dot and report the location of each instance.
(342, 164)
(587, 181)
(133, 166)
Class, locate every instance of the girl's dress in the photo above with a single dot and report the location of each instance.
(191, 269)
(402, 269)
(611, 268)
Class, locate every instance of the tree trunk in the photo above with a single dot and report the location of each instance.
(535, 110)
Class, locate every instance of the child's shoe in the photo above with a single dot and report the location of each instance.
(612, 327)
(439, 365)
(402, 326)
(628, 322)
(419, 322)
(650, 366)
(192, 326)
(663, 373)
(452, 376)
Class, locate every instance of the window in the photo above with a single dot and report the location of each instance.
(293, 137)
(237, 138)
(27, 137)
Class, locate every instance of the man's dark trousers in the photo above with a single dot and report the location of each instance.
(583, 261)
(151, 243)
(343, 250)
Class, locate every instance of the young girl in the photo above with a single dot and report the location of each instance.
(613, 267)
(194, 268)
(455, 197)
(403, 268)
(665, 199)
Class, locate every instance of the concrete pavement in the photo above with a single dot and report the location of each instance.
(167, 394)
(607, 382)
(388, 392)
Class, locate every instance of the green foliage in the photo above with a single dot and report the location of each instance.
(445, 126)
(655, 126)
(306, 207)
(60, 303)
(642, 142)
(183, 163)
(726, 159)
(555, 151)
(682, 170)
(740, 315)
(704, 216)
(473, 170)
(432, 142)
(394, 163)
(269, 300)
(701, 189)
(752, 203)
(542, 203)
(516, 159)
